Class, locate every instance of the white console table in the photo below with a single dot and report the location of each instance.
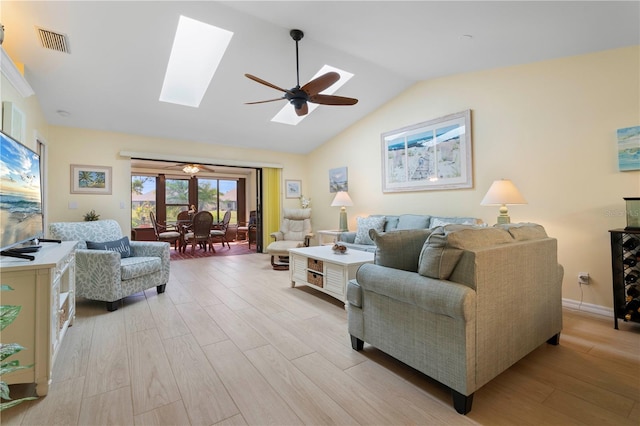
(45, 288)
(321, 268)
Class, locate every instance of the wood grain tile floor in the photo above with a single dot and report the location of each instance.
(231, 343)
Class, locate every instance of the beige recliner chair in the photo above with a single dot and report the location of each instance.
(295, 231)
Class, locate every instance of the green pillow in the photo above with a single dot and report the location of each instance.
(437, 258)
(399, 249)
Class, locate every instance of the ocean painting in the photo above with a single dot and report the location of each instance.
(629, 148)
(20, 198)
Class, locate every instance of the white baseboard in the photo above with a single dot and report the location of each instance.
(587, 307)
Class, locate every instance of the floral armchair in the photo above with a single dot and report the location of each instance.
(110, 267)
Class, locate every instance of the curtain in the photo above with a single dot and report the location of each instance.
(271, 203)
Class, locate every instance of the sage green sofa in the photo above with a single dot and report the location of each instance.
(460, 304)
(360, 240)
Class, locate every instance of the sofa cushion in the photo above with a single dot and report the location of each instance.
(365, 224)
(524, 231)
(443, 221)
(444, 247)
(399, 249)
(391, 223)
(413, 221)
(121, 246)
(474, 237)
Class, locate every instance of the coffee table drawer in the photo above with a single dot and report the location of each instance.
(315, 279)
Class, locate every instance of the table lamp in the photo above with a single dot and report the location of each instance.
(342, 200)
(501, 193)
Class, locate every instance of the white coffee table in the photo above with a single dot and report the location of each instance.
(324, 270)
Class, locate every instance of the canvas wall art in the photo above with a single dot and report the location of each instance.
(629, 148)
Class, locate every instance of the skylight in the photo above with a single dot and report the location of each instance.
(196, 53)
(287, 114)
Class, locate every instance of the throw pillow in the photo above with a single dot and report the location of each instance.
(121, 246)
(399, 249)
(366, 223)
(437, 258)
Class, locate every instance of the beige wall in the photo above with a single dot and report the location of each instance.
(90, 147)
(549, 126)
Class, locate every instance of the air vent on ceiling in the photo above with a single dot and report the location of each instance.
(52, 40)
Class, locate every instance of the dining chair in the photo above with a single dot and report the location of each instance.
(199, 232)
(248, 230)
(219, 230)
(168, 233)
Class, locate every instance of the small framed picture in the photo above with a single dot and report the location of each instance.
(90, 179)
(293, 188)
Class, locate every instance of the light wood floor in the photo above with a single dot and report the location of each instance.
(230, 342)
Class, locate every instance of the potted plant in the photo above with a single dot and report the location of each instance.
(8, 314)
(91, 216)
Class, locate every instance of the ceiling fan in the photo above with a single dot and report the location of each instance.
(310, 92)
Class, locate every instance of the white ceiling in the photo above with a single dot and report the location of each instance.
(111, 79)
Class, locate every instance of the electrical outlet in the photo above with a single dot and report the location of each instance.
(583, 278)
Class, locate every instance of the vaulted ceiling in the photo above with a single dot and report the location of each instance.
(112, 77)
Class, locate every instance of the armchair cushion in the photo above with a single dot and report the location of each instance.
(134, 267)
(296, 224)
(121, 246)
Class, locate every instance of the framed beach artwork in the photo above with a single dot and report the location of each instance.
(338, 180)
(90, 179)
(629, 148)
(293, 188)
(434, 155)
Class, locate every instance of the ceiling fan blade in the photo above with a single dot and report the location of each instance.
(304, 110)
(266, 83)
(332, 100)
(317, 85)
(261, 102)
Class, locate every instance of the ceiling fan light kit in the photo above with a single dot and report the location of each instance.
(191, 169)
(310, 92)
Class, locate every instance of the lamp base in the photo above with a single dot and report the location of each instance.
(503, 219)
(344, 227)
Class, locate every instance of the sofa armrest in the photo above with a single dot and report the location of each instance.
(437, 296)
(347, 237)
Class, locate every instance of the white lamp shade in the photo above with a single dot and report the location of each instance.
(503, 192)
(342, 199)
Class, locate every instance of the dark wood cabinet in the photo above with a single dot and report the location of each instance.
(143, 234)
(625, 270)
